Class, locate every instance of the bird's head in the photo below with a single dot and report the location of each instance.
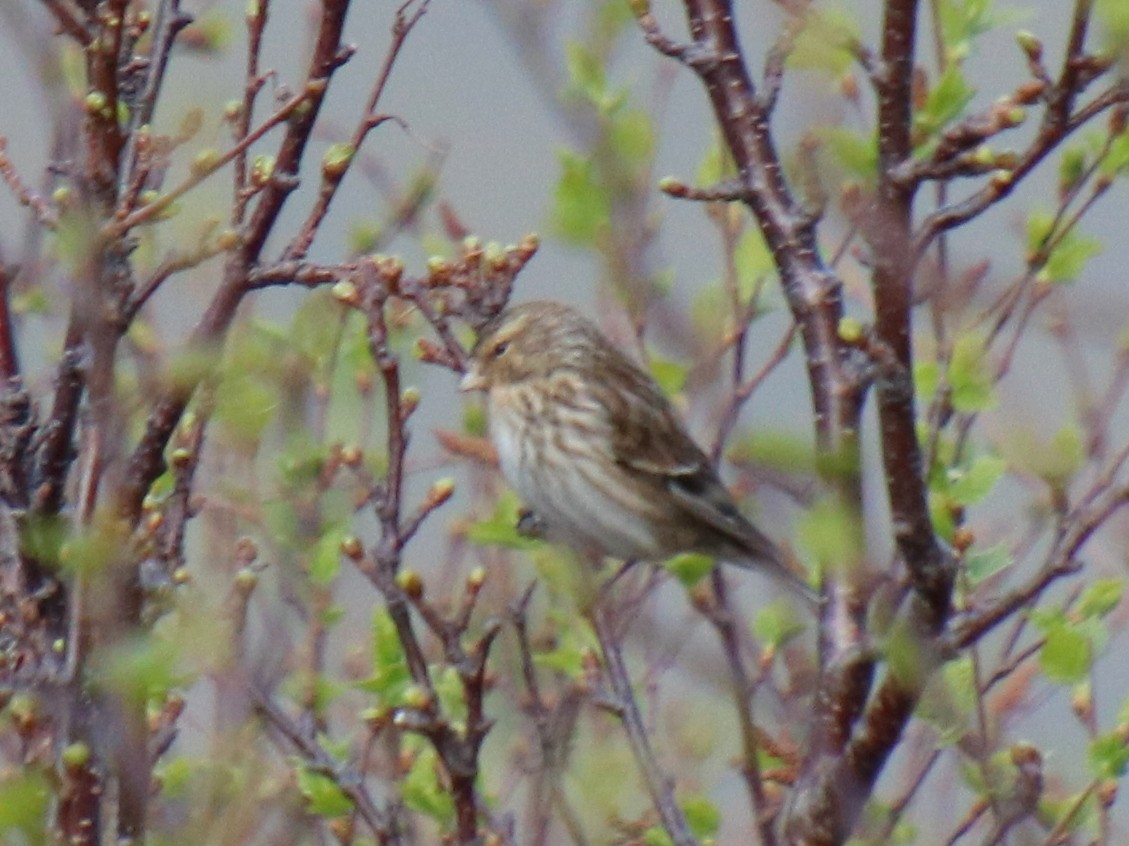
(524, 342)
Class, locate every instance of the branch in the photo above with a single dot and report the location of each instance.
(658, 783)
(333, 173)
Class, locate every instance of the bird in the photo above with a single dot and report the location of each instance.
(596, 450)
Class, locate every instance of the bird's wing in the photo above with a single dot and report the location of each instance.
(649, 439)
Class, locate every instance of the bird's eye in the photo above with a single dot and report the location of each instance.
(499, 349)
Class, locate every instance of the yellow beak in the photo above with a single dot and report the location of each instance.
(472, 380)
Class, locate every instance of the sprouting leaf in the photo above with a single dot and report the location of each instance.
(323, 797)
(1100, 597)
(632, 134)
(390, 676)
(825, 42)
(423, 791)
(854, 152)
(945, 101)
(689, 567)
(581, 204)
(970, 377)
(501, 528)
(1109, 756)
(752, 260)
(702, 815)
(777, 623)
(1069, 257)
(1066, 655)
(981, 564)
(970, 485)
(670, 375)
(325, 561)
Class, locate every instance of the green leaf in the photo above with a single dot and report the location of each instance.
(323, 797)
(968, 486)
(1067, 655)
(586, 72)
(1055, 461)
(140, 667)
(970, 379)
(945, 101)
(670, 375)
(926, 378)
(656, 836)
(784, 450)
(449, 688)
(702, 815)
(1116, 160)
(1069, 258)
(390, 676)
(325, 562)
(1109, 756)
(716, 164)
(422, 790)
(825, 41)
(689, 567)
(582, 206)
(854, 152)
(832, 535)
(1101, 597)
(501, 528)
(981, 564)
(574, 640)
(632, 135)
(777, 623)
(24, 800)
(1114, 16)
(949, 700)
(962, 21)
(1071, 167)
(753, 262)
(1070, 254)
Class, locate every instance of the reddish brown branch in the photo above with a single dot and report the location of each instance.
(334, 174)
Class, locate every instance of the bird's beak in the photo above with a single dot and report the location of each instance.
(472, 380)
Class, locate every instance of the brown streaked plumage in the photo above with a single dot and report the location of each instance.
(595, 449)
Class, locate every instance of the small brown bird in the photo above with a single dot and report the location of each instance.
(597, 452)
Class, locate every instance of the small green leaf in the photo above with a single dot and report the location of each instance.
(582, 206)
(1116, 160)
(323, 797)
(970, 485)
(825, 42)
(670, 375)
(982, 564)
(702, 815)
(1101, 597)
(501, 528)
(969, 375)
(832, 535)
(753, 262)
(854, 152)
(1069, 258)
(390, 676)
(945, 101)
(777, 623)
(1109, 756)
(689, 567)
(422, 790)
(24, 798)
(586, 72)
(632, 134)
(926, 378)
(325, 562)
(1067, 655)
